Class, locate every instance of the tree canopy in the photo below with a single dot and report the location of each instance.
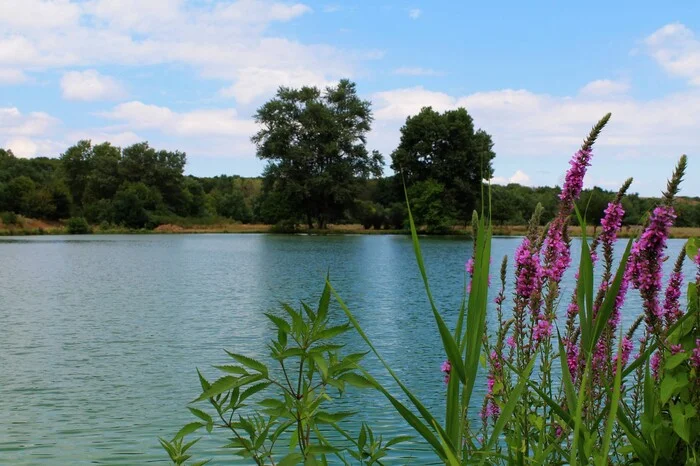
(314, 142)
(445, 148)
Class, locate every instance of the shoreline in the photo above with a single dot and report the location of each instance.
(35, 228)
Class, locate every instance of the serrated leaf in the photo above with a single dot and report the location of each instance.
(188, 429)
(222, 385)
(249, 362)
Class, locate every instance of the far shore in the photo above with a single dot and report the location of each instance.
(38, 227)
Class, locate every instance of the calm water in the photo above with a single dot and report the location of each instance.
(100, 336)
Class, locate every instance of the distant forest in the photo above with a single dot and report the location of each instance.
(140, 187)
(318, 172)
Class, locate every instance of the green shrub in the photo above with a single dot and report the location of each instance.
(78, 226)
(9, 218)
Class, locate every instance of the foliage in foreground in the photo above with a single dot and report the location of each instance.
(564, 391)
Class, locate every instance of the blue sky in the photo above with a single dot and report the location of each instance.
(189, 75)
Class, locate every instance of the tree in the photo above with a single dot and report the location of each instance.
(445, 147)
(314, 143)
(76, 167)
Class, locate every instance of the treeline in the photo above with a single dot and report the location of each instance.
(319, 172)
(140, 187)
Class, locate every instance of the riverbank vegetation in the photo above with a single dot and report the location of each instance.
(566, 379)
(320, 175)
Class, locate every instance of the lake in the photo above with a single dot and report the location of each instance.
(100, 335)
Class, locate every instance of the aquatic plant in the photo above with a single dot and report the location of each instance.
(562, 385)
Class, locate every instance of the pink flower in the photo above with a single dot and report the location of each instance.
(528, 272)
(542, 330)
(470, 266)
(626, 347)
(511, 341)
(644, 265)
(672, 306)
(446, 367)
(675, 349)
(655, 363)
(695, 358)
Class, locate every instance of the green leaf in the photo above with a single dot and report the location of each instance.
(356, 380)
(332, 418)
(691, 248)
(398, 439)
(238, 370)
(324, 303)
(614, 402)
(291, 459)
(671, 385)
(507, 412)
(448, 341)
(249, 362)
(250, 391)
(279, 322)
(201, 414)
(222, 385)
(188, 429)
(675, 360)
(681, 424)
(611, 294)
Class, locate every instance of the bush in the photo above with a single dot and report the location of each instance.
(78, 226)
(284, 226)
(9, 218)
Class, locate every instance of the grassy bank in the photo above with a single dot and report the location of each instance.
(28, 226)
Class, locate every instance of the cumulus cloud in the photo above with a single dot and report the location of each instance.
(90, 85)
(12, 76)
(205, 122)
(601, 87)
(519, 177)
(218, 39)
(676, 49)
(543, 128)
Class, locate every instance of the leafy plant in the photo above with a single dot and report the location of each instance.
(285, 416)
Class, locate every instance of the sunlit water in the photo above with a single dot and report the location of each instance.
(100, 336)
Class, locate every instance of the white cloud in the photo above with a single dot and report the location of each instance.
(226, 40)
(12, 76)
(415, 13)
(526, 124)
(601, 87)
(119, 139)
(13, 122)
(676, 49)
(213, 122)
(38, 14)
(417, 71)
(90, 85)
(519, 177)
(254, 82)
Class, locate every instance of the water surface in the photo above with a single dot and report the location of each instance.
(100, 335)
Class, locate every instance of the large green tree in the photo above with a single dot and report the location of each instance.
(445, 148)
(314, 142)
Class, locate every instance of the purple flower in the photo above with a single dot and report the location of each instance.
(528, 272)
(511, 341)
(672, 306)
(675, 349)
(470, 266)
(655, 363)
(446, 367)
(611, 223)
(645, 261)
(574, 178)
(626, 347)
(695, 358)
(542, 330)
